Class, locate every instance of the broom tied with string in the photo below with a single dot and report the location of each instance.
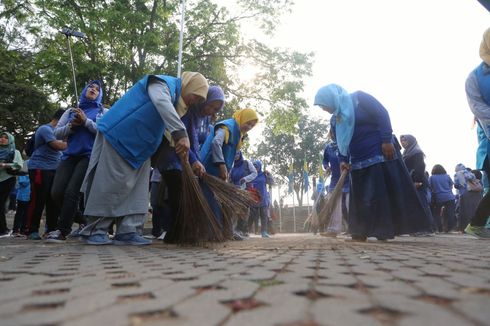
(195, 222)
(234, 202)
(327, 210)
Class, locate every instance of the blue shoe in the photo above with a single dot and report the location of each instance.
(34, 236)
(265, 235)
(98, 240)
(132, 239)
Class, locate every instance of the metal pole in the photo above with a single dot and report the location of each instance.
(279, 204)
(181, 40)
(294, 213)
(72, 69)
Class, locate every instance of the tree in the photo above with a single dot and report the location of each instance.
(279, 150)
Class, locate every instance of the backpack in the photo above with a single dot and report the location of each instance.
(30, 145)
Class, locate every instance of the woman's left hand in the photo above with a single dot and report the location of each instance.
(388, 150)
(198, 168)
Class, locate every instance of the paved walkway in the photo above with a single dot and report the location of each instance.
(287, 280)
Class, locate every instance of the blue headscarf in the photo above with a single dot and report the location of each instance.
(7, 152)
(85, 103)
(215, 93)
(337, 98)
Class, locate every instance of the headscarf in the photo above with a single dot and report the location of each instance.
(412, 148)
(337, 98)
(241, 117)
(7, 151)
(192, 83)
(85, 103)
(215, 93)
(485, 47)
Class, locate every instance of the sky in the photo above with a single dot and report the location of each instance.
(413, 56)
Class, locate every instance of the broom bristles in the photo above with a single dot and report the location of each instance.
(329, 206)
(196, 222)
(233, 200)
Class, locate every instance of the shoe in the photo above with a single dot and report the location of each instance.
(34, 236)
(150, 236)
(265, 235)
(98, 239)
(478, 231)
(6, 234)
(76, 233)
(18, 235)
(358, 238)
(55, 237)
(237, 237)
(162, 236)
(132, 239)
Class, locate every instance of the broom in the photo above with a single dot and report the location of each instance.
(326, 212)
(195, 221)
(234, 202)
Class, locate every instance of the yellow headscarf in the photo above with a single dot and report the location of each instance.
(241, 117)
(485, 47)
(192, 83)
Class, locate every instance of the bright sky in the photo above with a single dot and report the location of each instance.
(413, 56)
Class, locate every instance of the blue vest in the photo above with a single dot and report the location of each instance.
(133, 125)
(482, 73)
(229, 150)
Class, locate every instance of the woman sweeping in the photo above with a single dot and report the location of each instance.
(219, 149)
(169, 162)
(383, 200)
(118, 175)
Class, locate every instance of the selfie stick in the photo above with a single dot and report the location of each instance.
(70, 32)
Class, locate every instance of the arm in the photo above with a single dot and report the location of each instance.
(49, 138)
(475, 100)
(63, 128)
(92, 125)
(253, 172)
(217, 146)
(16, 164)
(160, 97)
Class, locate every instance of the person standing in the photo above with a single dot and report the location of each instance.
(42, 167)
(414, 159)
(23, 196)
(477, 89)
(79, 127)
(10, 162)
(259, 211)
(443, 199)
(117, 180)
(383, 200)
(242, 173)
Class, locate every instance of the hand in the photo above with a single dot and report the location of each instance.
(417, 184)
(182, 148)
(242, 181)
(81, 115)
(223, 172)
(344, 166)
(198, 168)
(388, 150)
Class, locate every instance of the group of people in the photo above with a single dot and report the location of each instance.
(94, 166)
(390, 193)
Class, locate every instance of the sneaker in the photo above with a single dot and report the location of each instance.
(265, 235)
(6, 234)
(162, 236)
(237, 237)
(150, 236)
(98, 239)
(76, 233)
(55, 237)
(478, 231)
(132, 239)
(18, 235)
(34, 236)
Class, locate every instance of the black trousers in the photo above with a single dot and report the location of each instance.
(41, 183)
(5, 189)
(483, 210)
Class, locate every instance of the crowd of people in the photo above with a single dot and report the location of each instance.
(102, 167)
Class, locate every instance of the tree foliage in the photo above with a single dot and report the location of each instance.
(282, 149)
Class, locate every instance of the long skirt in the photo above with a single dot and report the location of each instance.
(384, 202)
(467, 207)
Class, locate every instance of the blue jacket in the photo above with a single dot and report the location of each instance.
(133, 125)
(23, 187)
(482, 73)
(260, 183)
(229, 149)
(441, 186)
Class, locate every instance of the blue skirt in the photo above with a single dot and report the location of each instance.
(384, 202)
